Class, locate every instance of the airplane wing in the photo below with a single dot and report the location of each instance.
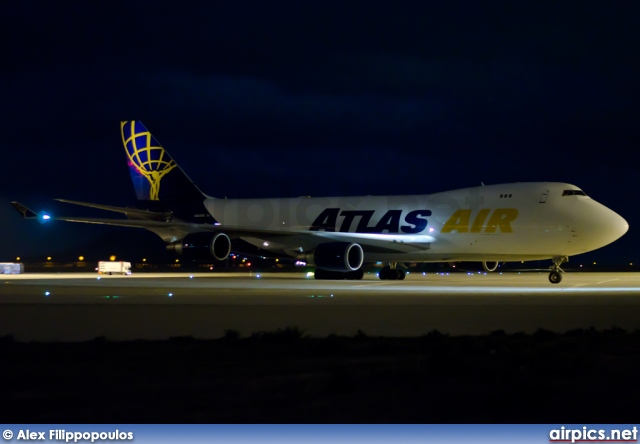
(172, 230)
(24, 211)
(167, 230)
(133, 213)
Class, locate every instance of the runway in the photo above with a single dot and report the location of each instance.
(79, 306)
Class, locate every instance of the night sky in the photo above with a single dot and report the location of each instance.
(282, 99)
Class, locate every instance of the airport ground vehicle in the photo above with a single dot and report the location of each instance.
(11, 268)
(114, 267)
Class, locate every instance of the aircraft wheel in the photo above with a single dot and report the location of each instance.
(401, 274)
(351, 275)
(358, 274)
(555, 277)
(385, 273)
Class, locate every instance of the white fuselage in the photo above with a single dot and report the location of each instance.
(509, 222)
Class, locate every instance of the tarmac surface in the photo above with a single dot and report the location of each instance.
(81, 306)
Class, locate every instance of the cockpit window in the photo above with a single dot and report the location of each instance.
(573, 193)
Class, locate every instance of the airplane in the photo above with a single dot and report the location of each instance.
(488, 224)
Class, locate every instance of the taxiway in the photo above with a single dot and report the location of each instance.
(81, 306)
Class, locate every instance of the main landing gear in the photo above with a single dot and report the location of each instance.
(392, 273)
(554, 276)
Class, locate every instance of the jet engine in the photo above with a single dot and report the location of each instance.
(336, 256)
(490, 266)
(203, 246)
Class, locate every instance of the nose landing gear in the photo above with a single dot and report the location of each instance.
(554, 276)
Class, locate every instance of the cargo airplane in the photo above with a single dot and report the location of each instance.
(487, 224)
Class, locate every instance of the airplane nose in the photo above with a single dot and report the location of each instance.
(596, 225)
(603, 226)
(619, 226)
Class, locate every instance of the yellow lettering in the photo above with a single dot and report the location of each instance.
(502, 218)
(479, 220)
(459, 222)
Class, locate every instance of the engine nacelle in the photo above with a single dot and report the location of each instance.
(203, 246)
(336, 256)
(490, 266)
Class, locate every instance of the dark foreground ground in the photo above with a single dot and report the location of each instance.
(581, 376)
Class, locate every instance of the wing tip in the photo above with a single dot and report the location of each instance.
(24, 211)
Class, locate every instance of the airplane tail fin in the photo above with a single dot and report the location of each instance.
(156, 176)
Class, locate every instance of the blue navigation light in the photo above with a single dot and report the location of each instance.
(43, 217)
(46, 293)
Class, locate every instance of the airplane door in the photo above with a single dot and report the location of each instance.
(543, 196)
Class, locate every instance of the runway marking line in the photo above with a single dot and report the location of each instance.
(594, 283)
(371, 285)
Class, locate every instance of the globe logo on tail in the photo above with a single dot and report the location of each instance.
(146, 156)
